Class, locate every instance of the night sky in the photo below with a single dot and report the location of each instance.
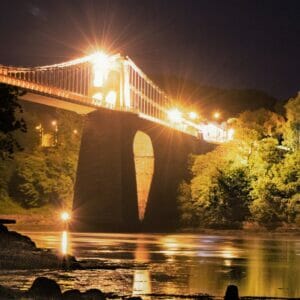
(231, 44)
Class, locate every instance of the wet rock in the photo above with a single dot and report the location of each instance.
(69, 262)
(44, 288)
(3, 228)
(93, 294)
(232, 293)
(72, 295)
(20, 252)
(12, 239)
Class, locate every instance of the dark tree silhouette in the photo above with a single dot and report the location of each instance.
(10, 120)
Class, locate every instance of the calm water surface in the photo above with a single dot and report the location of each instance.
(173, 264)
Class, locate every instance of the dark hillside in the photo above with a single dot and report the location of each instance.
(207, 99)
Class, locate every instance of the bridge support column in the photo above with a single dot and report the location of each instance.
(105, 197)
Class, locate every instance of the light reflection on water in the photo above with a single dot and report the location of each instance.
(64, 243)
(173, 264)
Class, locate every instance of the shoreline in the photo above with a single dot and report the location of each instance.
(242, 233)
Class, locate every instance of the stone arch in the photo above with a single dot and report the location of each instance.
(144, 169)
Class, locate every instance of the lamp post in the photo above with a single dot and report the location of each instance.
(65, 217)
(54, 124)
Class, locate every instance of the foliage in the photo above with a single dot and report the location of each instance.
(253, 178)
(39, 176)
(217, 197)
(10, 121)
(292, 128)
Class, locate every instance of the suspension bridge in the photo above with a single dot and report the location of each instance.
(135, 144)
(111, 82)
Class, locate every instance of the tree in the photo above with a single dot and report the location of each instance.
(46, 175)
(10, 121)
(275, 169)
(292, 127)
(218, 195)
(254, 177)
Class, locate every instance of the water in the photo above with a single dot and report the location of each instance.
(173, 264)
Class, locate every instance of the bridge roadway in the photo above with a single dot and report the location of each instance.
(131, 158)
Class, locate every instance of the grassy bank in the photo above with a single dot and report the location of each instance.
(43, 218)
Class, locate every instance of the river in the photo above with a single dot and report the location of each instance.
(173, 264)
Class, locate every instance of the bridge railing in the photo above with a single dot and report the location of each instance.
(73, 78)
(150, 101)
(79, 81)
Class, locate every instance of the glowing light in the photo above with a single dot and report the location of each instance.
(64, 242)
(98, 97)
(217, 115)
(230, 134)
(193, 115)
(54, 122)
(214, 133)
(111, 98)
(227, 262)
(75, 131)
(101, 65)
(175, 115)
(65, 216)
(228, 252)
(39, 127)
(209, 132)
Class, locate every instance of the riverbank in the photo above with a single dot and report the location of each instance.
(18, 251)
(46, 218)
(44, 288)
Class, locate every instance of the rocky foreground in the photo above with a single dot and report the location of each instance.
(45, 288)
(20, 252)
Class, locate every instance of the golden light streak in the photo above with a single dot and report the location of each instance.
(64, 242)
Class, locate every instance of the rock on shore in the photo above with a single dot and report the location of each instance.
(44, 288)
(20, 252)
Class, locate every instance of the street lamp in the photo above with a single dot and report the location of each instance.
(65, 216)
(217, 115)
(193, 115)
